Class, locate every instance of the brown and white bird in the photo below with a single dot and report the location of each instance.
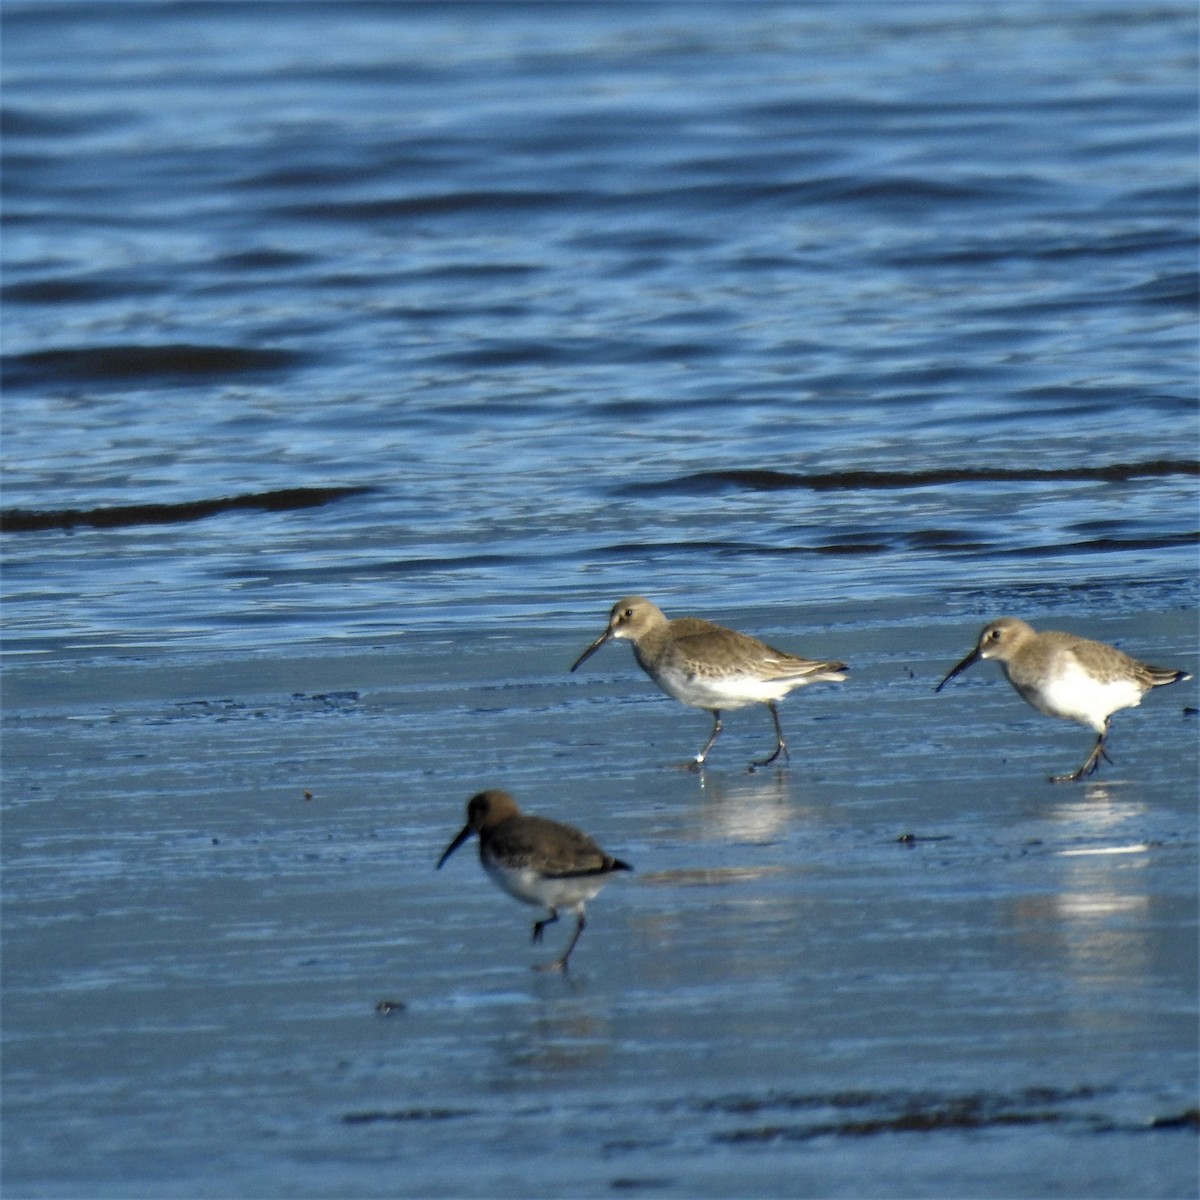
(708, 666)
(1063, 675)
(536, 861)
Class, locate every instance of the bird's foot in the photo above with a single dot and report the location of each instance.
(766, 762)
(1074, 777)
(1088, 769)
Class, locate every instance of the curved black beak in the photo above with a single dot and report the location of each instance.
(971, 658)
(464, 833)
(604, 637)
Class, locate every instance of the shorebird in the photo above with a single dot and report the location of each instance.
(1066, 676)
(708, 666)
(536, 861)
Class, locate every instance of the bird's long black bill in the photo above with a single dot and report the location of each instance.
(971, 658)
(592, 649)
(463, 834)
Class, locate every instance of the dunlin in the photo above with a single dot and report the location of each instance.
(708, 666)
(536, 861)
(1067, 676)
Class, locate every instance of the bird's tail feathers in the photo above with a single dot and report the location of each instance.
(1161, 676)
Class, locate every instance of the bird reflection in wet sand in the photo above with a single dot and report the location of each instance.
(536, 861)
(751, 810)
(707, 666)
(1063, 675)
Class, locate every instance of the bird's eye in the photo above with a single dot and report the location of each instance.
(627, 614)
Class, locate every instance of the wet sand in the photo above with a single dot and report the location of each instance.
(904, 965)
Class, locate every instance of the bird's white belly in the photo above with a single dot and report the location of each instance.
(530, 887)
(1073, 694)
(734, 690)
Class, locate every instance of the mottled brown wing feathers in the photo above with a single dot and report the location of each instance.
(549, 846)
(715, 649)
(791, 666)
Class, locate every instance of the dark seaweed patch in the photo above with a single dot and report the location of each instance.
(23, 520)
(1188, 1119)
(407, 1114)
(708, 482)
(99, 365)
(927, 1113)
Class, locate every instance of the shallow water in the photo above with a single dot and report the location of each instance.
(905, 965)
(355, 363)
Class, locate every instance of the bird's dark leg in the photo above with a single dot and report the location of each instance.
(540, 926)
(780, 744)
(560, 963)
(1092, 763)
(716, 732)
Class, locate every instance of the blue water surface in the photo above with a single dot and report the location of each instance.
(504, 265)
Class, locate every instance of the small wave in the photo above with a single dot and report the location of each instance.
(62, 290)
(417, 566)
(21, 520)
(702, 483)
(263, 260)
(100, 364)
(928, 541)
(438, 205)
(501, 353)
(432, 565)
(42, 123)
(988, 250)
(1105, 545)
(1172, 291)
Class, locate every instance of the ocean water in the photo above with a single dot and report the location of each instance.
(357, 357)
(587, 301)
